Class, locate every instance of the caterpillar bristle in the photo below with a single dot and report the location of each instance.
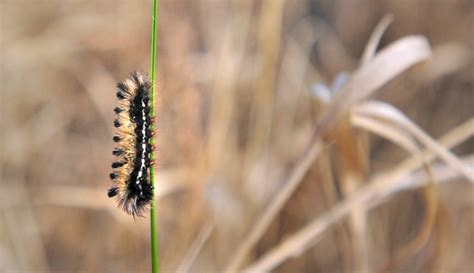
(112, 192)
(116, 165)
(120, 95)
(135, 76)
(122, 87)
(132, 188)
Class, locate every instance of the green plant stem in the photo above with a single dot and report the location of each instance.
(154, 239)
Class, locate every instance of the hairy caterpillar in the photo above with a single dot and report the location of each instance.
(132, 188)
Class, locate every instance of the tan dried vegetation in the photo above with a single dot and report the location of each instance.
(294, 136)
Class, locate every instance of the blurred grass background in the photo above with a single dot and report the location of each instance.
(235, 112)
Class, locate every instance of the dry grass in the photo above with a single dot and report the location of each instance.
(263, 165)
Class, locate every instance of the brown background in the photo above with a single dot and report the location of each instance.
(235, 111)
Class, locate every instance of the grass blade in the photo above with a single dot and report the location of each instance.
(154, 239)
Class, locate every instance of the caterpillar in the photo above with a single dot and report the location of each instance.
(130, 177)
